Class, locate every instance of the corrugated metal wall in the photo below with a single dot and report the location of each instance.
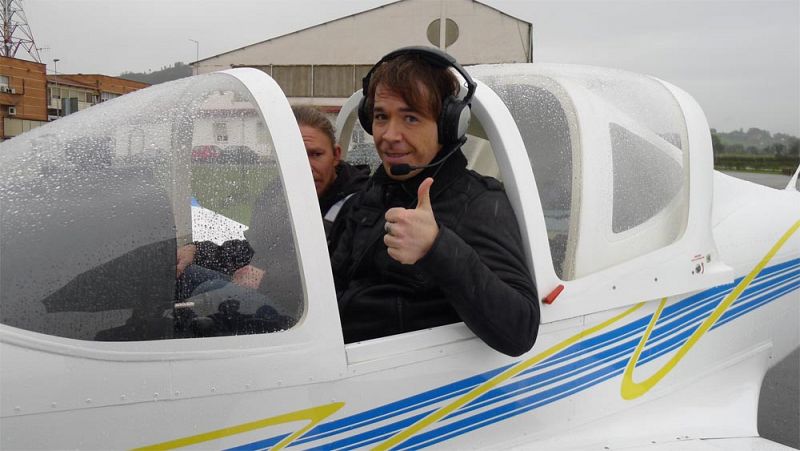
(317, 80)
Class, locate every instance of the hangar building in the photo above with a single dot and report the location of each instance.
(311, 70)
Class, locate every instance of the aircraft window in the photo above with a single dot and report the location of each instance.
(97, 205)
(361, 150)
(646, 179)
(543, 125)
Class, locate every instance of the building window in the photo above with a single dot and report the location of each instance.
(3, 81)
(107, 96)
(221, 131)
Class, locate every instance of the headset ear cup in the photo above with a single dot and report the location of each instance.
(445, 123)
(453, 121)
(463, 120)
(363, 115)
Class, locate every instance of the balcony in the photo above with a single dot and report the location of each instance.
(9, 96)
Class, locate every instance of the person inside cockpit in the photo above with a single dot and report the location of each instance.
(204, 266)
(429, 242)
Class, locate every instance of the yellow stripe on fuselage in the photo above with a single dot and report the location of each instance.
(497, 380)
(631, 389)
(314, 415)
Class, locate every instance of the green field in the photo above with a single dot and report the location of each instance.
(230, 190)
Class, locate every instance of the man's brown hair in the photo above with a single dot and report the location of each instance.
(314, 118)
(422, 85)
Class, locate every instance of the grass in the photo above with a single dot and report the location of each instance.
(230, 190)
(755, 163)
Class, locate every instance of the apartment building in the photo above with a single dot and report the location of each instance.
(23, 87)
(30, 98)
(69, 93)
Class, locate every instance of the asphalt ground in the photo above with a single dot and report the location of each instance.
(779, 404)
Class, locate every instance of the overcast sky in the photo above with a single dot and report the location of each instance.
(739, 59)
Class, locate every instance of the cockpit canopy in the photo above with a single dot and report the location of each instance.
(96, 205)
(608, 151)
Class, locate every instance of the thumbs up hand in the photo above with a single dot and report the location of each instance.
(410, 233)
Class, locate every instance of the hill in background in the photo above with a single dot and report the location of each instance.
(756, 141)
(755, 150)
(167, 73)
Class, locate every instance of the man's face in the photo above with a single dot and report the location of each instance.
(402, 135)
(323, 157)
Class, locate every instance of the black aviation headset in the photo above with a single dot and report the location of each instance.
(454, 118)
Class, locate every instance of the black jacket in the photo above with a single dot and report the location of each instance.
(268, 216)
(350, 179)
(475, 271)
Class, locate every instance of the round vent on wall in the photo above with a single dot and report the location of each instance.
(450, 32)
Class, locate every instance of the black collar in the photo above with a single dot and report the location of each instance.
(349, 179)
(443, 175)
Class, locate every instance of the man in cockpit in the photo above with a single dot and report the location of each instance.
(244, 262)
(429, 242)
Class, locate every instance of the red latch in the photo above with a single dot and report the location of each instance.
(553, 294)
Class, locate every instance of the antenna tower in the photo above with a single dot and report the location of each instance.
(16, 32)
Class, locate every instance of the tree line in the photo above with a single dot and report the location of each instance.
(755, 150)
(166, 73)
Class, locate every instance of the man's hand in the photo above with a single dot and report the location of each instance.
(248, 276)
(185, 258)
(411, 233)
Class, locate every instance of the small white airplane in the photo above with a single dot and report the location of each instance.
(667, 289)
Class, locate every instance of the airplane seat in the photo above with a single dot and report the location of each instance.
(480, 157)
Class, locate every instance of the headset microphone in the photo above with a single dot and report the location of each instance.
(405, 169)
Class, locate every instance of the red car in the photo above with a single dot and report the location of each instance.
(205, 154)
